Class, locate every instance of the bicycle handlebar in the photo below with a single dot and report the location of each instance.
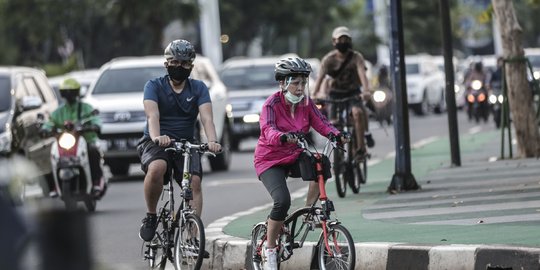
(185, 145)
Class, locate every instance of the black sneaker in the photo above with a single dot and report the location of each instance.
(369, 140)
(196, 243)
(148, 227)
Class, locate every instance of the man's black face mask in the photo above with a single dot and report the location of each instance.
(343, 47)
(178, 73)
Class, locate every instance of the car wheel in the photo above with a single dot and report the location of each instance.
(222, 160)
(423, 107)
(441, 107)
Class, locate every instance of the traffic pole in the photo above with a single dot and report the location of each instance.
(450, 92)
(403, 179)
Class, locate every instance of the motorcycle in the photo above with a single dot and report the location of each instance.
(71, 166)
(495, 100)
(380, 104)
(477, 101)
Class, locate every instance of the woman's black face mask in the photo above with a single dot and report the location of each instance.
(178, 73)
(343, 47)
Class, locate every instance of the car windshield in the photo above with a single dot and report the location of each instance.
(535, 60)
(412, 69)
(127, 80)
(5, 94)
(249, 77)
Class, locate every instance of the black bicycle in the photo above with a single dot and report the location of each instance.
(348, 167)
(179, 235)
(335, 247)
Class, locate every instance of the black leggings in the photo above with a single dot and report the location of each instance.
(274, 179)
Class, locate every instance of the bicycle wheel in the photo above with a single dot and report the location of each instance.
(342, 252)
(354, 176)
(257, 254)
(189, 243)
(340, 172)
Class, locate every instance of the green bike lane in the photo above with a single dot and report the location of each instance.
(485, 202)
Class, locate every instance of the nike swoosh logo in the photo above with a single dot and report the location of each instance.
(189, 99)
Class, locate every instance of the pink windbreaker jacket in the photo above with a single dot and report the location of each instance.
(275, 120)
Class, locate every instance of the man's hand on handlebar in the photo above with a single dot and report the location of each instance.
(162, 140)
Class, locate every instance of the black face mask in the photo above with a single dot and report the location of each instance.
(178, 73)
(343, 47)
(70, 96)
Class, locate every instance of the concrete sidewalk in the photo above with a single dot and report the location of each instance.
(482, 215)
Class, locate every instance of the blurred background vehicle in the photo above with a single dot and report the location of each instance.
(250, 81)
(425, 84)
(118, 95)
(85, 78)
(533, 54)
(25, 93)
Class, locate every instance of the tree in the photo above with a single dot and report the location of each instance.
(519, 95)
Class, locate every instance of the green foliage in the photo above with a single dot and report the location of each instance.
(99, 29)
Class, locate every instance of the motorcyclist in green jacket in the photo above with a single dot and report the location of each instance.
(75, 110)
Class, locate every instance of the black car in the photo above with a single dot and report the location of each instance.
(25, 93)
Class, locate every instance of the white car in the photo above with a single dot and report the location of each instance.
(85, 77)
(425, 84)
(250, 81)
(118, 95)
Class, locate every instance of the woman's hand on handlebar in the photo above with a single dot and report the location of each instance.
(342, 137)
(288, 138)
(162, 140)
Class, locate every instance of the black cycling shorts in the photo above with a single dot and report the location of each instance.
(149, 151)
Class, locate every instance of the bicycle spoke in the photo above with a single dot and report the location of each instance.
(189, 243)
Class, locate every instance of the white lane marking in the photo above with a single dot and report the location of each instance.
(423, 142)
(483, 220)
(453, 210)
(475, 130)
(236, 181)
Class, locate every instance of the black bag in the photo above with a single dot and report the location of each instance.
(306, 165)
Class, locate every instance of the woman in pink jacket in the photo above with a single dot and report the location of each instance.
(287, 111)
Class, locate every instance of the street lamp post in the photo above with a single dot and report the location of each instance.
(403, 178)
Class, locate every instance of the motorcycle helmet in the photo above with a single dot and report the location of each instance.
(70, 90)
(291, 66)
(180, 50)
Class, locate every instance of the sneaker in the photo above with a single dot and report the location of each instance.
(96, 191)
(271, 258)
(369, 140)
(148, 227)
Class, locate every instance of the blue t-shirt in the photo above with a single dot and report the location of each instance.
(177, 112)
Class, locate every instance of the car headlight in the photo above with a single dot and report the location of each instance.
(456, 88)
(500, 98)
(66, 141)
(536, 75)
(5, 141)
(251, 118)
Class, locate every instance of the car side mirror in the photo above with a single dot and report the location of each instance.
(30, 103)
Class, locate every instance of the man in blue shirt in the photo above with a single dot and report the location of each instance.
(171, 104)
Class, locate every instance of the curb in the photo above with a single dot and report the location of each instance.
(230, 253)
